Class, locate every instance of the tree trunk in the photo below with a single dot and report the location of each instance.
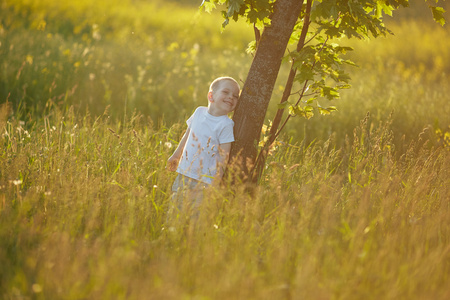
(257, 91)
(274, 132)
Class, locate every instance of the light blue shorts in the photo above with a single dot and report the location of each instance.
(186, 183)
(187, 193)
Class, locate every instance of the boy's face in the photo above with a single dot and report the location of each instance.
(224, 98)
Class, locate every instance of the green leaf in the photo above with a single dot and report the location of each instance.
(295, 110)
(234, 6)
(342, 49)
(254, 16)
(333, 32)
(306, 112)
(344, 86)
(208, 6)
(349, 62)
(343, 77)
(329, 92)
(251, 48)
(438, 14)
(310, 100)
(306, 54)
(383, 7)
(262, 4)
(225, 23)
(326, 110)
(323, 111)
(285, 59)
(304, 75)
(283, 105)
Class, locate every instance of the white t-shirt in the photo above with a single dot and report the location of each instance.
(207, 132)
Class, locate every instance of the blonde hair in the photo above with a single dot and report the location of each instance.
(216, 83)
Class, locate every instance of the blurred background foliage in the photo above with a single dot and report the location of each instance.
(154, 57)
(157, 58)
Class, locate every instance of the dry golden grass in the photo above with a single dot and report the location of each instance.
(84, 204)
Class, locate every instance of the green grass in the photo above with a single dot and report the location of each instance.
(410, 82)
(130, 56)
(84, 201)
(350, 206)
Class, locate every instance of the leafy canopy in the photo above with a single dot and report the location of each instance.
(317, 60)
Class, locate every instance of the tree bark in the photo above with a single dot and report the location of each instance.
(274, 132)
(257, 91)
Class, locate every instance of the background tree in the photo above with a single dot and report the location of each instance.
(316, 71)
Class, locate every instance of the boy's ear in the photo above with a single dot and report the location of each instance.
(210, 97)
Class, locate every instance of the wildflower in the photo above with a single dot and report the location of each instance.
(168, 145)
(17, 182)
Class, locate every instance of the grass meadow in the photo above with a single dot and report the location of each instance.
(354, 205)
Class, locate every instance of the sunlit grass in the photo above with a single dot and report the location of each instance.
(128, 56)
(409, 82)
(83, 205)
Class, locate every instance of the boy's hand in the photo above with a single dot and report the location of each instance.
(172, 163)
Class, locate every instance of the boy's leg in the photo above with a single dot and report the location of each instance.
(176, 200)
(192, 197)
(187, 198)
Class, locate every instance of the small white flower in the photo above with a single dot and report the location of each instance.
(17, 182)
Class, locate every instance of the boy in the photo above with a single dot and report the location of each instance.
(202, 154)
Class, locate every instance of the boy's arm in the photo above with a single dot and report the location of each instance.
(172, 162)
(222, 160)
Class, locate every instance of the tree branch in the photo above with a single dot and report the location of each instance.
(257, 35)
(260, 160)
